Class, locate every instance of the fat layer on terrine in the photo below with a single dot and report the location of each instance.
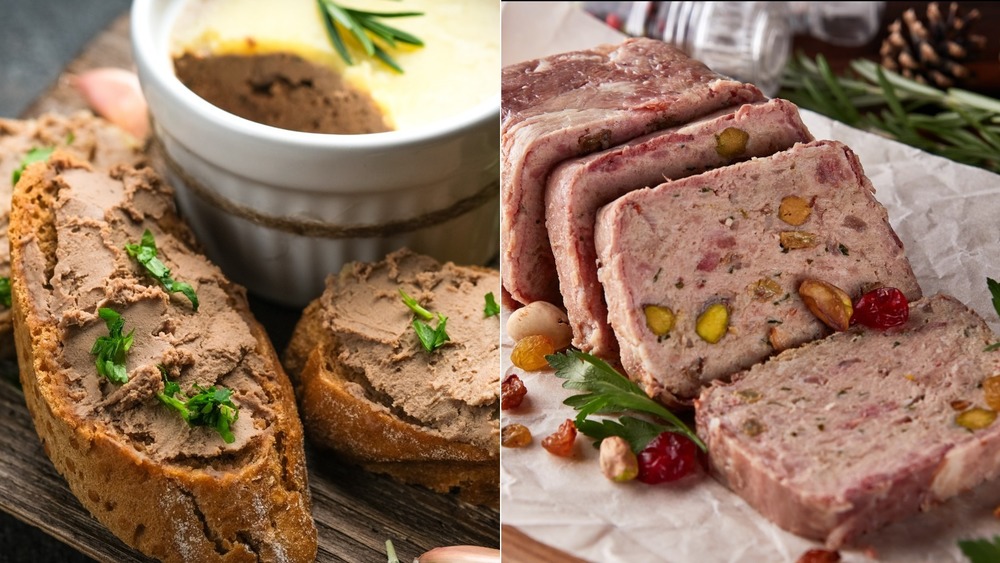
(735, 243)
(846, 434)
(576, 103)
(577, 188)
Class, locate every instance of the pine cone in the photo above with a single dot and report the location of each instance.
(934, 53)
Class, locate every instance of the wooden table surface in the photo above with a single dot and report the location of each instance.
(355, 512)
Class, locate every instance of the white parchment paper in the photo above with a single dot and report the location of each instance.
(948, 217)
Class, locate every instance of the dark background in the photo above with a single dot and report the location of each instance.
(37, 39)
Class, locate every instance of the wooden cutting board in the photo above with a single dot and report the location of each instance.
(355, 512)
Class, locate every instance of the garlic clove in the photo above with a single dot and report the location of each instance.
(114, 94)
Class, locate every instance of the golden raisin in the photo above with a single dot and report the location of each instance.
(529, 352)
(515, 436)
(764, 289)
(794, 210)
(991, 389)
(731, 142)
(976, 419)
(561, 441)
(659, 319)
(791, 240)
(512, 392)
(713, 324)
(828, 302)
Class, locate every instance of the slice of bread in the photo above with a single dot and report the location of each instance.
(370, 391)
(82, 134)
(846, 434)
(174, 491)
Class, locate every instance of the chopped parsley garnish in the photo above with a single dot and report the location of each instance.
(606, 391)
(5, 291)
(431, 338)
(366, 29)
(981, 550)
(112, 349)
(491, 309)
(212, 407)
(145, 252)
(34, 155)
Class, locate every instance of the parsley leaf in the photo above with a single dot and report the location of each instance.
(431, 338)
(994, 287)
(981, 550)
(145, 253)
(415, 307)
(491, 309)
(112, 349)
(212, 406)
(34, 155)
(607, 391)
(5, 291)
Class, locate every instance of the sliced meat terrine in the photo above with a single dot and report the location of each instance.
(579, 187)
(730, 247)
(846, 434)
(572, 104)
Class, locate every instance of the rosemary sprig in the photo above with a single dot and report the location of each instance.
(954, 123)
(366, 29)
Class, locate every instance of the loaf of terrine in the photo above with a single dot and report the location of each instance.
(572, 104)
(846, 434)
(579, 187)
(701, 275)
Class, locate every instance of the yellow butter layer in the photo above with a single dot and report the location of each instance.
(457, 69)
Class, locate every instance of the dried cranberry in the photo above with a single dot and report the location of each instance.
(882, 308)
(819, 556)
(561, 441)
(667, 457)
(512, 392)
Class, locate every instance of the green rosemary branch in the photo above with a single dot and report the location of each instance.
(366, 28)
(954, 123)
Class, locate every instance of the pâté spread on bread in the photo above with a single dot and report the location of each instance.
(156, 394)
(21, 142)
(371, 390)
(273, 61)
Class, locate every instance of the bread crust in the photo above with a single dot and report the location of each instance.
(254, 510)
(367, 433)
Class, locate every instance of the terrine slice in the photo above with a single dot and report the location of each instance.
(734, 244)
(576, 103)
(578, 188)
(849, 433)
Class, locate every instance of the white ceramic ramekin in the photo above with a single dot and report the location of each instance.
(279, 210)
